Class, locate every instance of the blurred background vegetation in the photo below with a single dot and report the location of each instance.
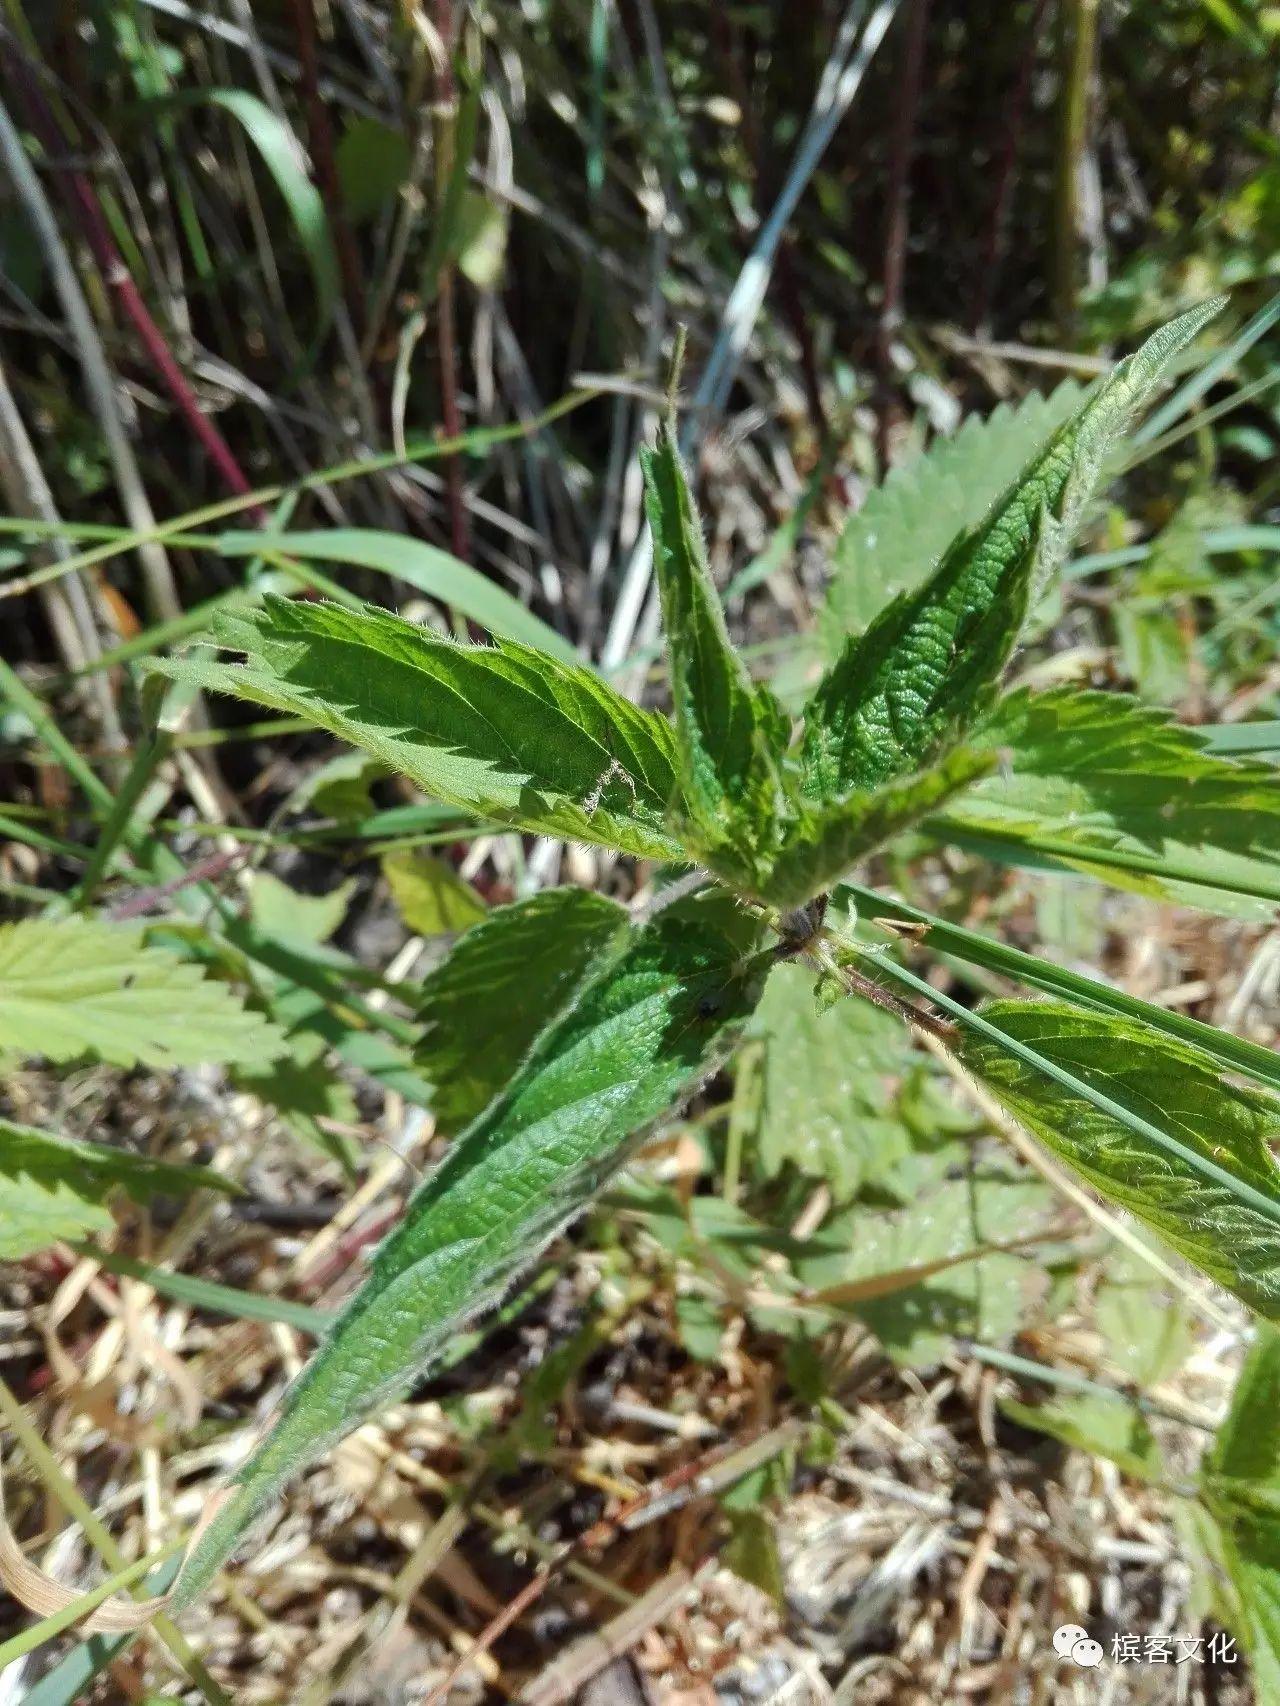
(410, 275)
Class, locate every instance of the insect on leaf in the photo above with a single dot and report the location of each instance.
(648, 1025)
(930, 663)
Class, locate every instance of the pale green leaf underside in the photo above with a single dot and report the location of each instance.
(905, 524)
(1103, 773)
(930, 662)
(484, 1006)
(55, 1187)
(646, 1027)
(1210, 1189)
(828, 1079)
(75, 987)
(503, 731)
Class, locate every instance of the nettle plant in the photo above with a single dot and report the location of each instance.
(561, 1027)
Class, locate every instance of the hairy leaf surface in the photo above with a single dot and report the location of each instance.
(54, 1187)
(504, 731)
(72, 987)
(821, 846)
(1193, 1162)
(905, 524)
(503, 984)
(730, 734)
(929, 664)
(646, 1027)
(1102, 784)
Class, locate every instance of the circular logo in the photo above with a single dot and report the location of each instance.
(1066, 1637)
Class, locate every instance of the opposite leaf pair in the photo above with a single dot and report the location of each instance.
(781, 821)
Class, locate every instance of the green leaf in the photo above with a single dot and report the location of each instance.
(1152, 1124)
(929, 664)
(304, 1089)
(481, 239)
(1155, 649)
(649, 1024)
(751, 1552)
(1102, 784)
(952, 1208)
(504, 983)
(503, 731)
(1101, 1426)
(730, 734)
(285, 159)
(1235, 1053)
(288, 915)
(340, 788)
(432, 571)
(430, 896)
(74, 987)
(1240, 1485)
(373, 160)
(822, 846)
(829, 1085)
(906, 523)
(54, 1187)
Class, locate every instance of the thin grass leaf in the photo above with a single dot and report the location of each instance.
(1234, 1053)
(1150, 1122)
(437, 573)
(285, 159)
(1100, 783)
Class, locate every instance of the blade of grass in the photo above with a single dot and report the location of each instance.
(1209, 1170)
(1035, 971)
(69, 1497)
(208, 1294)
(48, 1628)
(1204, 378)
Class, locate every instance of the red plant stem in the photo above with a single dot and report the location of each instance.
(445, 334)
(321, 134)
(895, 241)
(116, 275)
(991, 256)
